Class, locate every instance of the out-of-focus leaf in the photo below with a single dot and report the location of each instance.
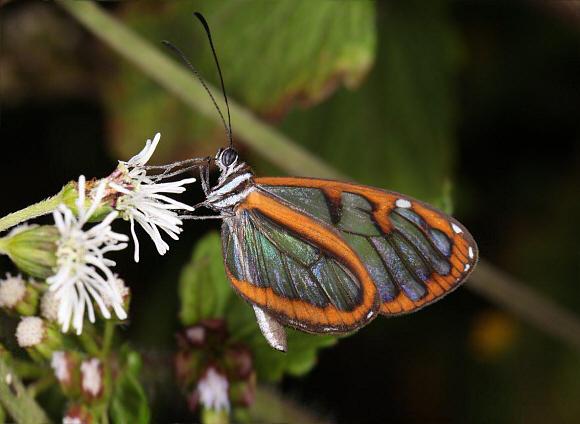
(128, 401)
(204, 289)
(271, 54)
(397, 130)
(275, 52)
(300, 357)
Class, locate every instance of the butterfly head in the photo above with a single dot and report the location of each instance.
(226, 158)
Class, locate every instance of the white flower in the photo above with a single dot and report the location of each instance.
(141, 198)
(121, 288)
(83, 271)
(12, 291)
(213, 391)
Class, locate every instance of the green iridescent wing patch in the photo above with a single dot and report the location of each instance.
(259, 251)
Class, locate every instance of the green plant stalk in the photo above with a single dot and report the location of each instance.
(107, 339)
(38, 209)
(516, 296)
(26, 369)
(88, 341)
(16, 400)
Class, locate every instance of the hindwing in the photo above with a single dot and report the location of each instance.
(296, 268)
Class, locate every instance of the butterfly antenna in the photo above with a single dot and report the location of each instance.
(188, 63)
(208, 32)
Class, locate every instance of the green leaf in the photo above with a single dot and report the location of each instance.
(271, 54)
(300, 357)
(204, 289)
(269, 363)
(128, 400)
(14, 397)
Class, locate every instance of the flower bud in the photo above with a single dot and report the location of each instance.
(217, 374)
(49, 306)
(18, 296)
(38, 337)
(238, 361)
(32, 249)
(188, 366)
(92, 379)
(213, 391)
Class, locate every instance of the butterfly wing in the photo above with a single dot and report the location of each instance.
(325, 256)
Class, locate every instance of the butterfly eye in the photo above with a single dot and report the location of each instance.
(228, 156)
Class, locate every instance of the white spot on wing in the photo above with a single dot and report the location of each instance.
(456, 228)
(402, 203)
(467, 266)
(470, 252)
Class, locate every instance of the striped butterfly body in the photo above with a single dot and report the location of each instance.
(327, 257)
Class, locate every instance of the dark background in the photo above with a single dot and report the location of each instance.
(515, 97)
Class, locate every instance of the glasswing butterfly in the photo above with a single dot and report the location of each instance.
(323, 256)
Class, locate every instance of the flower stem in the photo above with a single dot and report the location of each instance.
(107, 338)
(38, 209)
(88, 340)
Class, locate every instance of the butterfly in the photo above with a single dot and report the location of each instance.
(327, 257)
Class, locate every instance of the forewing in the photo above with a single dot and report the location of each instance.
(413, 252)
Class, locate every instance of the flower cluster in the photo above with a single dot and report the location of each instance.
(72, 256)
(71, 283)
